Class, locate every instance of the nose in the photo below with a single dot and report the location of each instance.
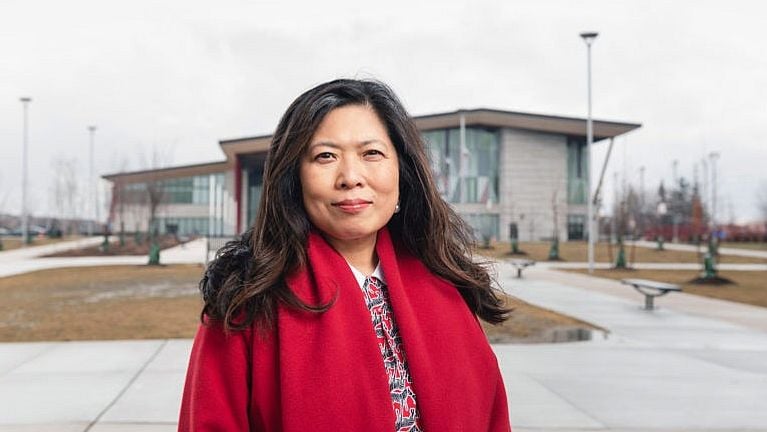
(350, 174)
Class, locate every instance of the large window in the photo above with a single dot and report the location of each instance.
(575, 227)
(187, 190)
(577, 171)
(465, 172)
(183, 190)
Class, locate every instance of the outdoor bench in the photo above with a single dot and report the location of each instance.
(521, 264)
(651, 289)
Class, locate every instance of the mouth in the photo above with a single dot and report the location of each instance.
(352, 205)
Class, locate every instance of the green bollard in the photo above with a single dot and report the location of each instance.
(554, 250)
(514, 246)
(659, 240)
(709, 267)
(154, 254)
(620, 260)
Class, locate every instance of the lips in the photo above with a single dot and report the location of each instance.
(352, 205)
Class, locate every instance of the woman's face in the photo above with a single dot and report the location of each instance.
(350, 175)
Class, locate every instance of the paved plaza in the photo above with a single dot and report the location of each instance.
(694, 364)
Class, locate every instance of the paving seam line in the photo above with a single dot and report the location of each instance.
(32, 358)
(567, 401)
(127, 386)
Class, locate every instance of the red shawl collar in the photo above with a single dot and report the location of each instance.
(324, 372)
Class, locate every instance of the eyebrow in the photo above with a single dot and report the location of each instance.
(334, 145)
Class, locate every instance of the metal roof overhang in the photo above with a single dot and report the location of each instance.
(572, 126)
(168, 173)
(234, 147)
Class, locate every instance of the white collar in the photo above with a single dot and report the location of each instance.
(378, 273)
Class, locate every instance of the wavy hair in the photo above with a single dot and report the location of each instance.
(246, 281)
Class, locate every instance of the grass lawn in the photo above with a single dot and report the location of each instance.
(115, 302)
(750, 287)
(750, 246)
(141, 302)
(15, 242)
(577, 251)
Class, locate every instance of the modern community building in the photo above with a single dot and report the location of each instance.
(502, 171)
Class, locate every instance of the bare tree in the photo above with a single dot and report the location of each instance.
(554, 249)
(156, 196)
(65, 192)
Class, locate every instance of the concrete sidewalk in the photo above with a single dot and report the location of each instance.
(188, 253)
(694, 364)
(652, 266)
(36, 251)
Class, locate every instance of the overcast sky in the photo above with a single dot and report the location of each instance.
(182, 75)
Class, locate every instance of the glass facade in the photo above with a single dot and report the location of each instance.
(577, 171)
(182, 190)
(465, 173)
(187, 190)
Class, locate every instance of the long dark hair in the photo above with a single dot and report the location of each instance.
(246, 280)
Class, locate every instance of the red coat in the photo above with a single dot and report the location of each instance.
(324, 372)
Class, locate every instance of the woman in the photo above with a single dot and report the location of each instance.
(351, 304)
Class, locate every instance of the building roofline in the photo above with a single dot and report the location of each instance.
(519, 113)
(169, 172)
(500, 118)
(236, 140)
(573, 126)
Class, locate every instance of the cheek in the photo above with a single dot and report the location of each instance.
(309, 189)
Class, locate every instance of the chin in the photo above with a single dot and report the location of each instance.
(352, 234)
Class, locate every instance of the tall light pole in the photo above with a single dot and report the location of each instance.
(91, 183)
(589, 37)
(24, 216)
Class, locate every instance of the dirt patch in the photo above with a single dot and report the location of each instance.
(143, 302)
(532, 324)
(115, 248)
(115, 302)
(714, 280)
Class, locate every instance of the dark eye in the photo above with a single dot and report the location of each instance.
(373, 154)
(324, 156)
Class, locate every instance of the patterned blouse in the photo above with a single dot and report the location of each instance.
(390, 343)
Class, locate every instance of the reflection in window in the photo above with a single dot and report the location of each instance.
(468, 174)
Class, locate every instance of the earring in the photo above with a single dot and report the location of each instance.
(396, 208)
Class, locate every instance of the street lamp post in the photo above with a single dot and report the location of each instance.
(24, 216)
(91, 183)
(589, 38)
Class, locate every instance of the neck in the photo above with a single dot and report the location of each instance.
(360, 253)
